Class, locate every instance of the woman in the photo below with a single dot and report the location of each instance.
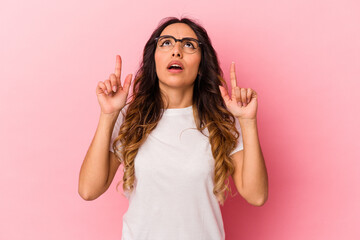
(179, 137)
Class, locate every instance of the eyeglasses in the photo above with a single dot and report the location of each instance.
(167, 42)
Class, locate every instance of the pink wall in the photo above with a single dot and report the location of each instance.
(302, 57)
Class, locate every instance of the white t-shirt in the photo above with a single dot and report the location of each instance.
(173, 197)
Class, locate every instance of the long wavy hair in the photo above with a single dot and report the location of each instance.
(146, 107)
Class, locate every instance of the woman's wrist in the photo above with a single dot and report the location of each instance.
(109, 117)
(247, 121)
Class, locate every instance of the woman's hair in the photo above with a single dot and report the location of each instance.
(146, 107)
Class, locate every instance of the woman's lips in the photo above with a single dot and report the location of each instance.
(175, 70)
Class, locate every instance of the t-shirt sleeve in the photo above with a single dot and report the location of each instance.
(116, 129)
(240, 145)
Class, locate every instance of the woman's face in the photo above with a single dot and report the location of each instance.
(190, 61)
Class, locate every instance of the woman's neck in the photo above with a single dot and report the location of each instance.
(178, 98)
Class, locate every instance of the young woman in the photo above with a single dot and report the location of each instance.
(179, 137)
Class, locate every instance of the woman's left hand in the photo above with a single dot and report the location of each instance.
(243, 101)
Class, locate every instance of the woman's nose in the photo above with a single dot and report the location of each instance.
(177, 50)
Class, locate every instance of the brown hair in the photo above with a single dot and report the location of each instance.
(146, 108)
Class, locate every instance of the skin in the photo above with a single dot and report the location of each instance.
(178, 87)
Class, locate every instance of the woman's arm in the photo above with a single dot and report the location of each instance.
(250, 172)
(99, 168)
(250, 175)
(94, 172)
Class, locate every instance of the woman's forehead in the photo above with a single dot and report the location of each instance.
(179, 30)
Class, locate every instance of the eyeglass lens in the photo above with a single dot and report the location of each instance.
(167, 43)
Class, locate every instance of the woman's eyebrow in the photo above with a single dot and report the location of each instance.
(178, 38)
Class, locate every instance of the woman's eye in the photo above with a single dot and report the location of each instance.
(189, 44)
(165, 42)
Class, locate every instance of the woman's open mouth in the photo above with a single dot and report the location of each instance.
(175, 68)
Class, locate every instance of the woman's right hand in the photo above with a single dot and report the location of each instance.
(111, 95)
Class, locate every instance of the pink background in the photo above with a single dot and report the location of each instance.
(302, 57)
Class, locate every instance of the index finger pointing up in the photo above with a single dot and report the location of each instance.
(118, 68)
(232, 75)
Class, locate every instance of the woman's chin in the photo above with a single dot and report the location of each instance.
(175, 83)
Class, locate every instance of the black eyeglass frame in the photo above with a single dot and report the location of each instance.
(179, 40)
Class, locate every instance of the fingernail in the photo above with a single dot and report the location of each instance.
(106, 92)
(114, 88)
